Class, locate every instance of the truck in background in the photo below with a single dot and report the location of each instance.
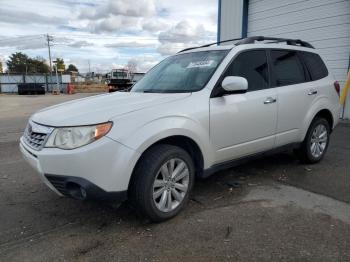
(119, 80)
(122, 79)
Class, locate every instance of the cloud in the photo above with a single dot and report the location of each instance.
(183, 32)
(141, 8)
(154, 25)
(24, 42)
(183, 35)
(113, 31)
(80, 44)
(131, 44)
(167, 49)
(143, 63)
(33, 42)
(112, 24)
(2, 60)
(19, 17)
(119, 16)
(67, 41)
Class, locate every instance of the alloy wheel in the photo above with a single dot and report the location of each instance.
(171, 185)
(319, 140)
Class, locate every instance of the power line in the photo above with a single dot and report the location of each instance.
(103, 37)
(95, 37)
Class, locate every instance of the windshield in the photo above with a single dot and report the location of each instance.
(181, 73)
(119, 74)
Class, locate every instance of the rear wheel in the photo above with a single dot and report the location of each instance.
(316, 142)
(162, 182)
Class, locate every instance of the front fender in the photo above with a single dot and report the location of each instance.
(146, 135)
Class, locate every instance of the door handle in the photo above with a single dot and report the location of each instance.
(312, 92)
(270, 100)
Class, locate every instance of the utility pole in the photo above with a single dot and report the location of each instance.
(57, 90)
(49, 39)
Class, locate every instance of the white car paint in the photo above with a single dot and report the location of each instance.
(224, 128)
(99, 109)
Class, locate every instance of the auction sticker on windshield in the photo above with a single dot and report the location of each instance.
(199, 64)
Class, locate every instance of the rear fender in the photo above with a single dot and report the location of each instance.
(321, 104)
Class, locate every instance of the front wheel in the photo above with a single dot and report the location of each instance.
(316, 142)
(162, 182)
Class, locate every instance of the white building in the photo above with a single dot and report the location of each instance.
(323, 23)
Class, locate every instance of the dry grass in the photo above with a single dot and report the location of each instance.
(89, 88)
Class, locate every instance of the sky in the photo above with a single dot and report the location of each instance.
(105, 33)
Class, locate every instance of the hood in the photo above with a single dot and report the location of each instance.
(101, 108)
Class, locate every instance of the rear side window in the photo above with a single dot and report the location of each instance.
(315, 65)
(252, 65)
(287, 67)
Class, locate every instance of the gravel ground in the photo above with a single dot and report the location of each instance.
(273, 209)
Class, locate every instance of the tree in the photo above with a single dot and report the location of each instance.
(18, 63)
(72, 68)
(132, 66)
(60, 64)
(1, 69)
(38, 65)
(21, 64)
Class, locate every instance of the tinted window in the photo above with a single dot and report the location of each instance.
(288, 69)
(251, 65)
(315, 65)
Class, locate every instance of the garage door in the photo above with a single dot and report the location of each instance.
(323, 23)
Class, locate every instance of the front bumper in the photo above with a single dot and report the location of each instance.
(82, 189)
(103, 168)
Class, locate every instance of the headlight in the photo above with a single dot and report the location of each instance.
(74, 137)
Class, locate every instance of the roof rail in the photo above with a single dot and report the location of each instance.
(295, 42)
(207, 45)
(252, 39)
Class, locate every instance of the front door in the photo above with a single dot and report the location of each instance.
(245, 124)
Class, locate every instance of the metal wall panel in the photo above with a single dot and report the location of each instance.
(9, 88)
(66, 79)
(8, 83)
(230, 19)
(11, 79)
(37, 79)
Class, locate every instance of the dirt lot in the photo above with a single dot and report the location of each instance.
(268, 210)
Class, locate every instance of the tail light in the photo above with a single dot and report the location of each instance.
(337, 87)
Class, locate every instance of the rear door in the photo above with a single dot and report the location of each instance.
(244, 124)
(295, 94)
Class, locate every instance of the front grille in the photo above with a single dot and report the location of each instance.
(35, 135)
(35, 140)
(59, 183)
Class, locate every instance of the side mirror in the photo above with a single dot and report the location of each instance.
(235, 84)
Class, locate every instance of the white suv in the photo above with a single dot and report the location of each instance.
(199, 111)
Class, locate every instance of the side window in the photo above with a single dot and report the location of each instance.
(253, 66)
(315, 65)
(287, 67)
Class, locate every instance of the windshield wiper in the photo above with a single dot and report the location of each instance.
(150, 91)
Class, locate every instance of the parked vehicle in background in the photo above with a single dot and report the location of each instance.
(119, 79)
(31, 89)
(199, 111)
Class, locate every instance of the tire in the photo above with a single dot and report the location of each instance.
(144, 190)
(307, 152)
